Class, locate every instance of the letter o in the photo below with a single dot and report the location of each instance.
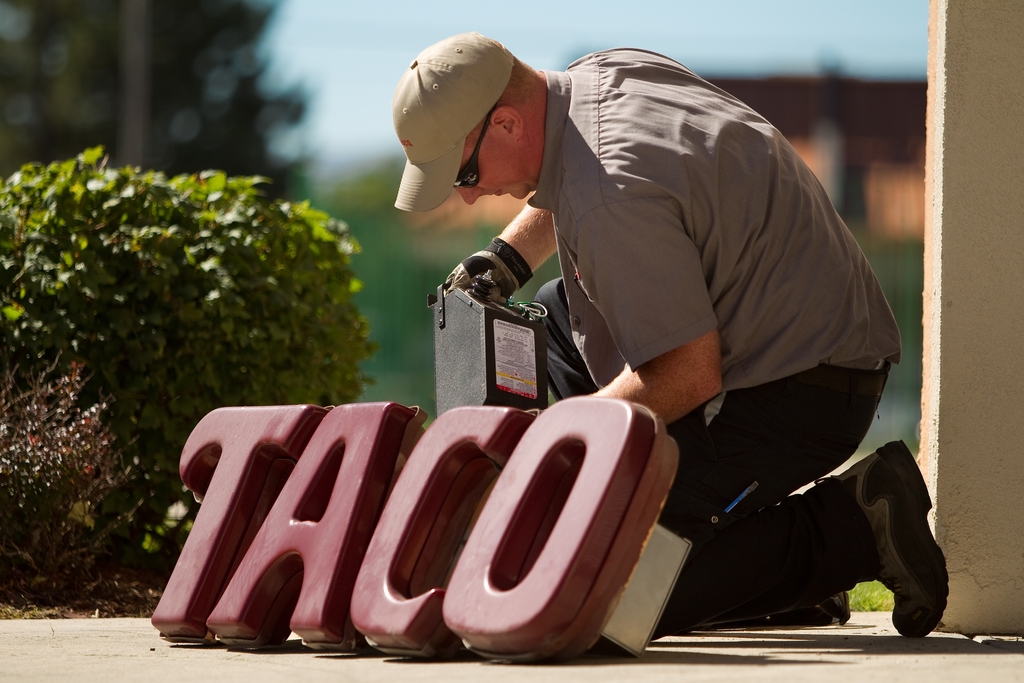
(562, 531)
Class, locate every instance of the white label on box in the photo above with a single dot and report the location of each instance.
(515, 359)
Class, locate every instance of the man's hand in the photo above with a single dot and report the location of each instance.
(478, 263)
(509, 271)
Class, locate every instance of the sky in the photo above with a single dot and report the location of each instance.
(347, 55)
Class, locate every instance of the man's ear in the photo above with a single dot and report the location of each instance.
(509, 120)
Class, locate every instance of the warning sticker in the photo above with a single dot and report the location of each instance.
(515, 359)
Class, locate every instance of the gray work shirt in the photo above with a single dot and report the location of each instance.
(678, 210)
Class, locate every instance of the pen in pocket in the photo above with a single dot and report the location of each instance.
(747, 491)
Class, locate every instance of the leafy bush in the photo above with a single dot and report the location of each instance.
(57, 464)
(179, 295)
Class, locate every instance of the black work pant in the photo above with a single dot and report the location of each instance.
(774, 551)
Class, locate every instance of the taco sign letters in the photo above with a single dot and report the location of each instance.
(511, 534)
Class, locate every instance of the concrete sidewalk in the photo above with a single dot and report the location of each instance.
(867, 648)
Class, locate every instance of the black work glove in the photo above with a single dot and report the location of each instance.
(509, 270)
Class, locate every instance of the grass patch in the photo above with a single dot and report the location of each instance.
(871, 596)
(29, 612)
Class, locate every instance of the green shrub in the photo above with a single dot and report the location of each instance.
(179, 295)
(57, 464)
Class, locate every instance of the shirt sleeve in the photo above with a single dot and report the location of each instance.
(642, 271)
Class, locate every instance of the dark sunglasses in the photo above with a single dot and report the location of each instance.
(469, 176)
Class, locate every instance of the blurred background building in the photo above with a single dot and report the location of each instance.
(299, 91)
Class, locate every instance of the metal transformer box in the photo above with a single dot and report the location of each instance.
(486, 354)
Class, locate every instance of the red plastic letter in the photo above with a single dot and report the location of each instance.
(307, 554)
(400, 588)
(562, 531)
(237, 460)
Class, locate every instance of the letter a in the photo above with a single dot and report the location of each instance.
(305, 558)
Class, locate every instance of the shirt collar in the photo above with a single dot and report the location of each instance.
(550, 182)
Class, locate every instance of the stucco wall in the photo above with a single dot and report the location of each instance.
(973, 425)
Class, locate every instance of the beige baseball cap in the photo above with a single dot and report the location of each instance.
(443, 95)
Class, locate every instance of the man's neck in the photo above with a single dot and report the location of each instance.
(535, 115)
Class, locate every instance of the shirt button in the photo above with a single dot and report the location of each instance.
(575, 321)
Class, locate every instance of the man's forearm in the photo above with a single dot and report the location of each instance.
(532, 234)
(674, 383)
